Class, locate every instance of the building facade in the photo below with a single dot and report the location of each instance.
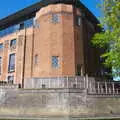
(48, 39)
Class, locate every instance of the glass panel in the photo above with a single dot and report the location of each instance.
(27, 23)
(1, 46)
(12, 63)
(36, 59)
(13, 43)
(55, 18)
(78, 21)
(55, 61)
(0, 65)
(22, 26)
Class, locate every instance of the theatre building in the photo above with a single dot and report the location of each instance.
(48, 39)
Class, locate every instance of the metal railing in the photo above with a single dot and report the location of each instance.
(104, 88)
(89, 84)
(56, 82)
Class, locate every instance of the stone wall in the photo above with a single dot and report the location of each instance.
(49, 103)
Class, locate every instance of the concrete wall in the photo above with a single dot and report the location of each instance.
(56, 103)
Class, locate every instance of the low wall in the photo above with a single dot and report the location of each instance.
(49, 103)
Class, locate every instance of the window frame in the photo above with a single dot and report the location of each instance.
(55, 18)
(0, 65)
(78, 20)
(22, 26)
(55, 62)
(36, 59)
(12, 45)
(9, 68)
(1, 46)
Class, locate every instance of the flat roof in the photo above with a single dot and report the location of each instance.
(30, 11)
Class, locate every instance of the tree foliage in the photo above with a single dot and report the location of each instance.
(109, 37)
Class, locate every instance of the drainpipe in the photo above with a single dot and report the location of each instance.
(74, 23)
(23, 72)
(32, 58)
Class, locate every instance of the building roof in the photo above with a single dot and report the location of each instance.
(30, 11)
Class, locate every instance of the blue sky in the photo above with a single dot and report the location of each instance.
(8, 7)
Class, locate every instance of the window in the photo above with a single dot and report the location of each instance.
(36, 24)
(21, 26)
(10, 79)
(1, 46)
(12, 63)
(28, 23)
(13, 43)
(78, 21)
(0, 65)
(55, 18)
(36, 59)
(55, 61)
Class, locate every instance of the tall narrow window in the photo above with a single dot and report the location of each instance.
(13, 44)
(22, 26)
(78, 20)
(0, 65)
(55, 18)
(1, 47)
(11, 63)
(55, 61)
(36, 60)
(36, 24)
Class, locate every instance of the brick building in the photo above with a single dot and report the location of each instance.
(48, 39)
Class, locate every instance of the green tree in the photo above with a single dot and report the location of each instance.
(109, 37)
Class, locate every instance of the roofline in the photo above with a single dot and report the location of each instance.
(30, 11)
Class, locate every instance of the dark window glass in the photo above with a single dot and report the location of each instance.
(36, 59)
(0, 65)
(78, 21)
(13, 43)
(36, 24)
(1, 46)
(27, 23)
(55, 61)
(12, 63)
(21, 26)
